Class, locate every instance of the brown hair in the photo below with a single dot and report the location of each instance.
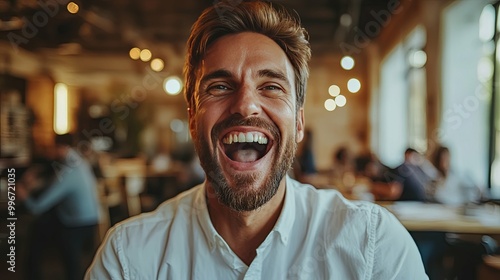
(226, 18)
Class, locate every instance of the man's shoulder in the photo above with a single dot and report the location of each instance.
(329, 199)
(178, 208)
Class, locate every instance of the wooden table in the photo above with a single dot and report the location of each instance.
(417, 216)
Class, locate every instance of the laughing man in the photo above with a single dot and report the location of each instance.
(245, 81)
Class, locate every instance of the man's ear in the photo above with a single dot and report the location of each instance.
(300, 125)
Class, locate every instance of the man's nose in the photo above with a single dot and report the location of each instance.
(246, 102)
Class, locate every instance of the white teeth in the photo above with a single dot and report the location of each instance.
(248, 137)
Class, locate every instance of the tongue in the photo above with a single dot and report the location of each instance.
(247, 155)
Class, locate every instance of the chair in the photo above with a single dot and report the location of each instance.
(469, 255)
(490, 268)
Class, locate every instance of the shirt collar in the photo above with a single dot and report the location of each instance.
(283, 226)
(201, 208)
(286, 219)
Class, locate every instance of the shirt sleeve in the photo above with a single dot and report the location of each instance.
(396, 255)
(109, 261)
(52, 195)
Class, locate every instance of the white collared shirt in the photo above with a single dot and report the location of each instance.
(319, 235)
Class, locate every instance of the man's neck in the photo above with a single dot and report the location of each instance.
(245, 231)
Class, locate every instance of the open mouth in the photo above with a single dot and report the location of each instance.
(245, 146)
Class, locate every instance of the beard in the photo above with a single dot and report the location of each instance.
(228, 189)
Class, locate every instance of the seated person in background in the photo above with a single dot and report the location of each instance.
(245, 82)
(67, 207)
(416, 175)
(305, 166)
(342, 173)
(380, 178)
(449, 187)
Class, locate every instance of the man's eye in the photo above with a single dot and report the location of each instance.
(271, 88)
(221, 87)
(218, 89)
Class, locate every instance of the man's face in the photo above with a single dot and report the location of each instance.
(245, 125)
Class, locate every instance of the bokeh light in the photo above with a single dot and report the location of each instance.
(145, 55)
(157, 64)
(353, 85)
(347, 62)
(330, 105)
(172, 85)
(334, 90)
(340, 101)
(135, 53)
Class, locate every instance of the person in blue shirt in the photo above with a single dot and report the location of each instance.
(66, 206)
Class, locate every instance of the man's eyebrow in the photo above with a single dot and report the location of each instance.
(274, 74)
(221, 73)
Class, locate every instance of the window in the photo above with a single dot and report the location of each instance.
(401, 102)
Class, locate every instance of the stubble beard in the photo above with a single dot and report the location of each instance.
(251, 196)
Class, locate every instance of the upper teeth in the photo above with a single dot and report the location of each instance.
(245, 138)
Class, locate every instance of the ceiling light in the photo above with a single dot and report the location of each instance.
(157, 64)
(145, 55)
(72, 7)
(347, 62)
(345, 20)
(330, 105)
(418, 58)
(172, 85)
(353, 85)
(340, 101)
(334, 90)
(135, 53)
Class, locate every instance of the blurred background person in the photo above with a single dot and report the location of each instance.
(416, 175)
(305, 166)
(63, 195)
(342, 175)
(450, 188)
(380, 178)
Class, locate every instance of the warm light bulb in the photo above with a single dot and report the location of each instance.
(347, 62)
(353, 85)
(157, 64)
(334, 90)
(172, 85)
(330, 105)
(135, 53)
(418, 58)
(72, 7)
(340, 101)
(145, 55)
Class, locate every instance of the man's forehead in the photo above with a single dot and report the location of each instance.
(244, 50)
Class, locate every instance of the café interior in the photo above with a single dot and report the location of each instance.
(385, 76)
